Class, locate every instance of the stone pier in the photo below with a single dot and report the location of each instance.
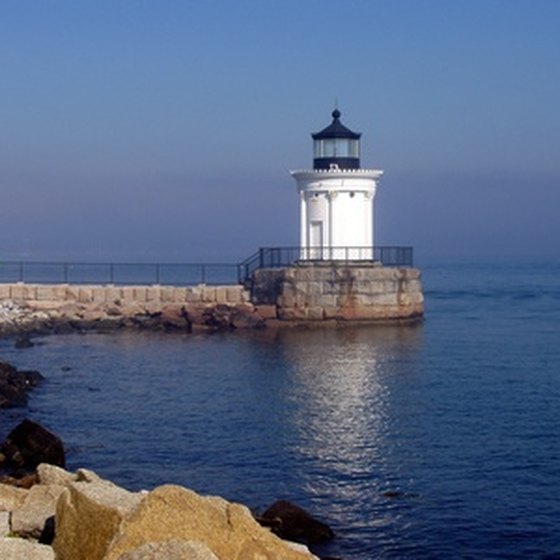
(324, 293)
(330, 291)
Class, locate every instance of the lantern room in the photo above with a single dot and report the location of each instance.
(336, 146)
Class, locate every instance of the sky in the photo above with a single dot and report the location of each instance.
(164, 130)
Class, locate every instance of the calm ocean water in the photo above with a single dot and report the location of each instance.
(434, 441)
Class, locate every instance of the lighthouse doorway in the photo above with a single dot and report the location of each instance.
(316, 239)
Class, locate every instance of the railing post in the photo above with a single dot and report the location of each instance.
(21, 271)
(157, 273)
(65, 272)
(203, 274)
(111, 274)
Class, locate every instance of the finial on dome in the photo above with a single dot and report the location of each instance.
(336, 114)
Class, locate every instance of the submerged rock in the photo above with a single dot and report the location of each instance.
(23, 342)
(14, 385)
(289, 521)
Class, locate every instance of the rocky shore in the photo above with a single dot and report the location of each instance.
(18, 318)
(49, 513)
(80, 516)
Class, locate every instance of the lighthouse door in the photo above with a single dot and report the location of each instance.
(316, 239)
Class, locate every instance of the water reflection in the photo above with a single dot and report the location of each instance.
(341, 383)
(303, 415)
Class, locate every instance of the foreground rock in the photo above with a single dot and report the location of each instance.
(39, 505)
(172, 549)
(96, 520)
(20, 549)
(289, 521)
(28, 445)
(101, 521)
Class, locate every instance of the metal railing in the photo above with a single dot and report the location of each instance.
(276, 257)
(175, 274)
(188, 274)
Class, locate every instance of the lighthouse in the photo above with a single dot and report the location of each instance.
(336, 198)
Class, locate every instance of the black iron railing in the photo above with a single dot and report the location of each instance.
(276, 257)
(187, 274)
(175, 274)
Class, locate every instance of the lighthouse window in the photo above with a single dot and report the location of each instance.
(336, 147)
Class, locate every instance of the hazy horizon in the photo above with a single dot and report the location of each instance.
(166, 131)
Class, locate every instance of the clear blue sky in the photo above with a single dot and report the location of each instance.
(164, 130)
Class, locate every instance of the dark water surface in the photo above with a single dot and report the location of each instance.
(434, 441)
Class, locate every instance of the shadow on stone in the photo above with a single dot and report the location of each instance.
(47, 534)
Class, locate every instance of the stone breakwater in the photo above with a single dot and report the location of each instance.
(318, 294)
(63, 308)
(80, 516)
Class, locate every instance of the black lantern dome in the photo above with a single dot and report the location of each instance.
(336, 146)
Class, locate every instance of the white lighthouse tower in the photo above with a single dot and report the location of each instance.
(337, 198)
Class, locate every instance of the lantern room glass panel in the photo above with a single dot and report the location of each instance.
(336, 147)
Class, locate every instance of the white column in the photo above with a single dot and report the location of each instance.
(303, 225)
(330, 236)
(368, 208)
(303, 219)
